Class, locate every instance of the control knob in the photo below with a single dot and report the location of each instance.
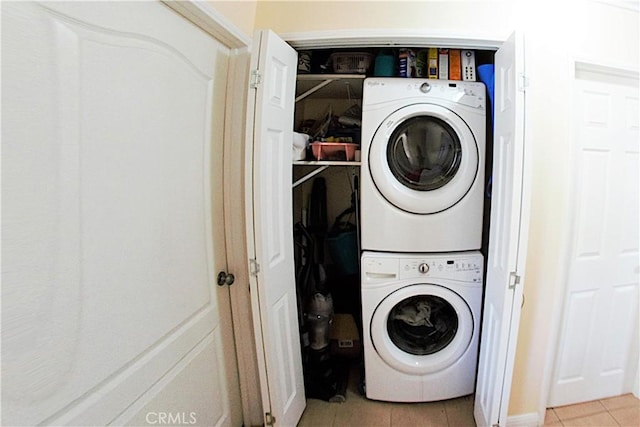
(423, 268)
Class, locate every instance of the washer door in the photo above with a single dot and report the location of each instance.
(422, 328)
(423, 158)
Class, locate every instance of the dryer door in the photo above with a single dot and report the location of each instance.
(422, 328)
(423, 158)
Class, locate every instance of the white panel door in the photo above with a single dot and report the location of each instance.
(111, 216)
(270, 220)
(501, 311)
(598, 348)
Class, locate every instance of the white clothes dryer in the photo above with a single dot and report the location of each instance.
(421, 321)
(423, 162)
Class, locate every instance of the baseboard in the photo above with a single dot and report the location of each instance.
(524, 420)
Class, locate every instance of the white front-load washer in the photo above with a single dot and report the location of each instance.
(423, 162)
(421, 320)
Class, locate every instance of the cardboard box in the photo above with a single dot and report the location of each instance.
(407, 63)
(421, 63)
(443, 64)
(455, 68)
(432, 64)
(468, 58)
(344, 337)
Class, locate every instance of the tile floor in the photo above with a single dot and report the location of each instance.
(614, 411)
(358, 411)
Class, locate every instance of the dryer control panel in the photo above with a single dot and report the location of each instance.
(382, 90)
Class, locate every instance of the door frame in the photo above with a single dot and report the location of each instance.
(208, 19)
(204, 16)
(360, 38)
(577, 65)
(400, 37)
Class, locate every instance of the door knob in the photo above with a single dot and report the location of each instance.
(225, 278)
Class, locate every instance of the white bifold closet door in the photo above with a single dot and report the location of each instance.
(270, 228)
(507, 245)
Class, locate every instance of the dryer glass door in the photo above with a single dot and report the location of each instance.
(424, 158)
(424, 153)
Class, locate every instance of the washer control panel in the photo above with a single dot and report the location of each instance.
(463, 267)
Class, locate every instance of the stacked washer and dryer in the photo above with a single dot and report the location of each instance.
(422, 184)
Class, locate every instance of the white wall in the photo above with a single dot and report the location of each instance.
(481, 18)
(590, 31)
(241, 13)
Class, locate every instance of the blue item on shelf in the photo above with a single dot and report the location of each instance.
(486, 74)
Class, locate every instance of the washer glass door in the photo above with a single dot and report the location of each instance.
(422, 328)
(423, 324)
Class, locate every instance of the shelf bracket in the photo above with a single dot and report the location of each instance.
(314, 89)
(310, 175)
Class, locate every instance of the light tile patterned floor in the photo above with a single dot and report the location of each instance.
(358, 411)
(615, 411)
